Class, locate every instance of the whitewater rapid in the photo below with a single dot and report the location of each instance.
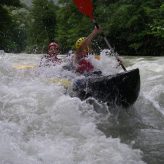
(41, 124)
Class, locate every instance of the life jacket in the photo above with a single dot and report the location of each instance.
(84, 66)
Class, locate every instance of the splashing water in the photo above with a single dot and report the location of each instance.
(41, 124)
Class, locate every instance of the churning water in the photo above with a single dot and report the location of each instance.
(41, 124)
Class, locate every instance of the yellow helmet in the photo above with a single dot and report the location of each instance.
(79, 42)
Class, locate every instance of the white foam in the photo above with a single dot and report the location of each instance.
(41, 124)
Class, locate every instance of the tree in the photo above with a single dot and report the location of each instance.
(71, 25)
(7, 25)
(42, 28)
(10, 2)
(133, 27)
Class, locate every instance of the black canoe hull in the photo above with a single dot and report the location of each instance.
(119, 90)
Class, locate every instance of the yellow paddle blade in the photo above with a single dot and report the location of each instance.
(97, 57)
(24, 66)
(64, 82)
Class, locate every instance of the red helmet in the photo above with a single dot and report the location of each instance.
(53, 44)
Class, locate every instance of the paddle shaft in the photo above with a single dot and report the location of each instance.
(109, 46)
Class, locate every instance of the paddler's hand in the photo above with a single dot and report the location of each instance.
(97, 30)
(119, 62)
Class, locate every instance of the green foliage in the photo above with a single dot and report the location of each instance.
(157, 25)
(11, 34)
(71, 26)
(5, 21)
(133, 27)
(5, 30)
(20, 17)
(42, 27)
(10, 2)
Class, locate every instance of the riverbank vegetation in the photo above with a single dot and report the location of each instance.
(133, 27)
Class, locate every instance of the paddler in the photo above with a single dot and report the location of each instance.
(82, 45)
(51, 58)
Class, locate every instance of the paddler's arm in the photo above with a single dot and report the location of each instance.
(89, 38)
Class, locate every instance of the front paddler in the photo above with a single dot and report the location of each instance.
(51, 58)
(82, 46)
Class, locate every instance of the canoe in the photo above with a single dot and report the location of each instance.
(121, 89)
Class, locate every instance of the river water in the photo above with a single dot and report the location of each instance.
(41, 124)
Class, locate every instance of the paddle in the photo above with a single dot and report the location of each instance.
(24, 66)
(86, 8)
(63, 82)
